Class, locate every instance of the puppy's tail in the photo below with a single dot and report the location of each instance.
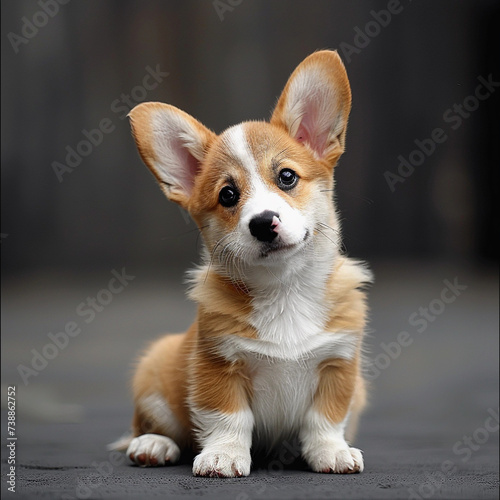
(121, 444)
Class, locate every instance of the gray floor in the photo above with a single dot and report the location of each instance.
(431, 430)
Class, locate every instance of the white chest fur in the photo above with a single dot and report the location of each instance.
(290, 307)
(283, 361)
(290, 314)
(284, 387)
(282, 393)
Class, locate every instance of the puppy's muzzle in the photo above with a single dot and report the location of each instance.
(263, 226)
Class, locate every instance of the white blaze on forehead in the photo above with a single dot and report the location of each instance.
(236, 141)
(292, 227)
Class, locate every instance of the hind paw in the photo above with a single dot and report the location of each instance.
(153, 450)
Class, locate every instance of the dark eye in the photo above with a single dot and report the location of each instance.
(228, 196)
(287, 179)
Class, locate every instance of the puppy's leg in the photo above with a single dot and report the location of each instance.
(161, 420)
(222, 417)
(322, 435)
(357, 405)
(153, 423)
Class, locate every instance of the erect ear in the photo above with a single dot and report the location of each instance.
(315, 104)
(172, 144)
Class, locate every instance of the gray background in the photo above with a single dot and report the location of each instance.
(61, 240)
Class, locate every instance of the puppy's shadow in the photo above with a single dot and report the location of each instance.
(287, 456)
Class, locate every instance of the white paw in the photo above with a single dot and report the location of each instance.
(336, 459)
(150, 450)
(222, 463)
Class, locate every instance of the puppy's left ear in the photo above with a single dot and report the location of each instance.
(173, 145)
(315, 103)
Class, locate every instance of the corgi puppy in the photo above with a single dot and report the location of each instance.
(275, 350)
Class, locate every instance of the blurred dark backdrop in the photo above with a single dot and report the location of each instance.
(65, 71)
(69, 66)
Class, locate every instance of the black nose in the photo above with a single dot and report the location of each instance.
(262, 227)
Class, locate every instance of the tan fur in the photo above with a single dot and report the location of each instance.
(188, 369)
(341, 382)
(337, 381)
(346, 296)
(162, 370)
(335, 77)
(144, 134)
(218, 384)
(358, 403)
(225, 386)
(173, 359)
(271, 148)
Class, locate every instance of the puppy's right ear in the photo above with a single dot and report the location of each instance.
(172, 144)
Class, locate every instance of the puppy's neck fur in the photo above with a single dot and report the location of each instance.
(288, 300)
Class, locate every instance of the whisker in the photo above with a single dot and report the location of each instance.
(365, 199)
(340, 245)
(237, 261)
(272, 274)
(327, 237)
(212, 257)
(283, 151)
(336, 231)
(199, 229)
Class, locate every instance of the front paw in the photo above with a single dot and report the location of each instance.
(218, 463)
(336, 458)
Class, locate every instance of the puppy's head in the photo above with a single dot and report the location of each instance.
(260, 192)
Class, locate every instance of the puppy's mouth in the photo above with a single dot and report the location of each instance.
(277, 247)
